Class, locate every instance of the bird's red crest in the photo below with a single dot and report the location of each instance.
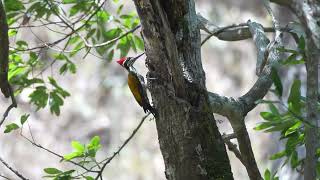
(122, 60)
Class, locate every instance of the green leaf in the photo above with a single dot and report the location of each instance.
(24, 118)
(268, 116)
(94, 146)
(267, 175)
(119, 9)
(262, 101)
(294, 97)
(294, 160)
(72, 155)
(52, 171)
(69, 1)
(39, 97)
(277, 81)
(16, 70)
(68, 172)
(291, 144)
(89, 178)
(63, 68)
(263, 125)
(273, 109)
(112, 33)
(74, 39)
(78, 146)
(282, 49)
(55, 102)
(281, 126)
(22, 44)
(293, 128)
(138, 42)
(103, 16)
(33, 57)
(13, 5)
(302, 43)
(11, 127)
(95, 141)
(58, 90)
(278, 155)
(318, 168)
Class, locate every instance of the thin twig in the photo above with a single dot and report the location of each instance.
(219, 30)
(12, 170)
(65, 37)
(228, 137)
(35, 26)
(275, 22)
(108, 160)
(4, 177)
(56, 154)
(233, 148)
(13, 105)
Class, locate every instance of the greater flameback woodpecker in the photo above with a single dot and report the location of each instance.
(136, 83)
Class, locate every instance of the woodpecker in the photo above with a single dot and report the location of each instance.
(136, 83)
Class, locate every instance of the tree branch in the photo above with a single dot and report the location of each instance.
(236, 110)
(108, 160)
(4, 62)
(234, 32)
(10, 168)
(309, 14)
(233, 148)
(56, 154)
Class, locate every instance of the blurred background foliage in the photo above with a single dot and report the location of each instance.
(62, 62)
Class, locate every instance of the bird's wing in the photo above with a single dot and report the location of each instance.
(135, 87)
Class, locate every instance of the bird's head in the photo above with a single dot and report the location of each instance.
(122, 61)
(126, 62)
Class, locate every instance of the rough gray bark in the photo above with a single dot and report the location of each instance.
(236, 109)
(309, 14)
(190, 142)
(4, 62)
(4, 52)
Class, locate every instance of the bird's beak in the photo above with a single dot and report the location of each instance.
(137, 57)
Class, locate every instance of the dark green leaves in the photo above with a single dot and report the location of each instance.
(56, 97)
(278, 155)
(69, 1)
(294, 97)
(24, 118)
(39, 97)
(269, 176)
(277, 81)
(288, 122)
(13, 5)
(52, 171)
(57, 174)
(11, 127)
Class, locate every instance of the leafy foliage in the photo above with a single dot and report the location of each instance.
(86, 28)
(287, 118)
(85, 153)
(97, 30)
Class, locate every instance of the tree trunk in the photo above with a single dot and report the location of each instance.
(309, 14)
(191, 144)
